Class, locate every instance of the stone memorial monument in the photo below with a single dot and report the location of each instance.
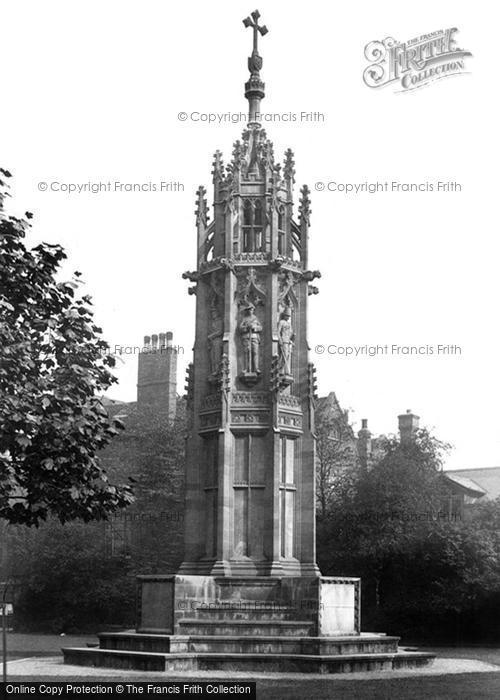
(249, 594)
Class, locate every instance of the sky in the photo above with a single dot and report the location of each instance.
(92, 92)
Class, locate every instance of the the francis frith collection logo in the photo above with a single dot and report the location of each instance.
(414, 63)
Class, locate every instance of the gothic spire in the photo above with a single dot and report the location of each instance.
(254, 88)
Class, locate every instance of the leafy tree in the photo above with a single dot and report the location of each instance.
(80, 577)
(53, 364)
(335, 451)
(374, 514)
(423, 573)
(66, 582)
(151, 449)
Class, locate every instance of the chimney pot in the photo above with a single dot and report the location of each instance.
(408, 425)
(364, 445)
(157, 377)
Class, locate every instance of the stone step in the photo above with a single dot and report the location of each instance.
(290, 628)
(245, 612)
(260, 644)
(344, 663)
(120, 659)
(147, 643)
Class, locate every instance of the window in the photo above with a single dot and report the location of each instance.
(287, 497)
(210, 453)
(253, 218)
(281, 231)
(249, 470)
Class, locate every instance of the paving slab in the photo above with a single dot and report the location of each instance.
(53, 668)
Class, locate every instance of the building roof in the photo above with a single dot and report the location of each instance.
(467, 485)
(111, 402)
(487, 479)
(329, 413)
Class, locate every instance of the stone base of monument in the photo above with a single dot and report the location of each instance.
(304, 624)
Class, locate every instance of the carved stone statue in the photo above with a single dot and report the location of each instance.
(285, 343)
(250, 329)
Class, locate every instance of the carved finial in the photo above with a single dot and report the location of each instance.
(305, 206)
(275, 374)
(218, 167)
(267, 151)
(312, 381)
(254, 88)
(189, 386)
(289, 169)
(201, 211)
(225, 374)
(239, 151)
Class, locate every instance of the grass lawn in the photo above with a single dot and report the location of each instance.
(466, 686)
(20, 646)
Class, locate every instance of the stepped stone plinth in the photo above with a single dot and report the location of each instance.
(288, 624)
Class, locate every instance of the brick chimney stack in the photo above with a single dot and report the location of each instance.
(408, 426)
(364, 445)
(157, 374)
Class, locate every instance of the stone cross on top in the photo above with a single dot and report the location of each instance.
(254, 88)
(255, 61)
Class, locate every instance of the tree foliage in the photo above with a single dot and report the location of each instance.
(53, 365)
(335, 453)
(65, 580)
(424, 572)
(79, 577)
(151, 450)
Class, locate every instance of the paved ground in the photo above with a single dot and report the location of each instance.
(449, 679)
(461, 673)
(490, 655)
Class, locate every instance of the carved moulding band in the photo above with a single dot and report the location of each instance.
(250, 419)
(211, 402)
(289, 401)
(209, 421)
(241, 258)
(250, 398)
(290, 421)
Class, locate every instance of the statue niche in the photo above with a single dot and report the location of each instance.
(215, 339)
(250, 330)
(286, 338)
